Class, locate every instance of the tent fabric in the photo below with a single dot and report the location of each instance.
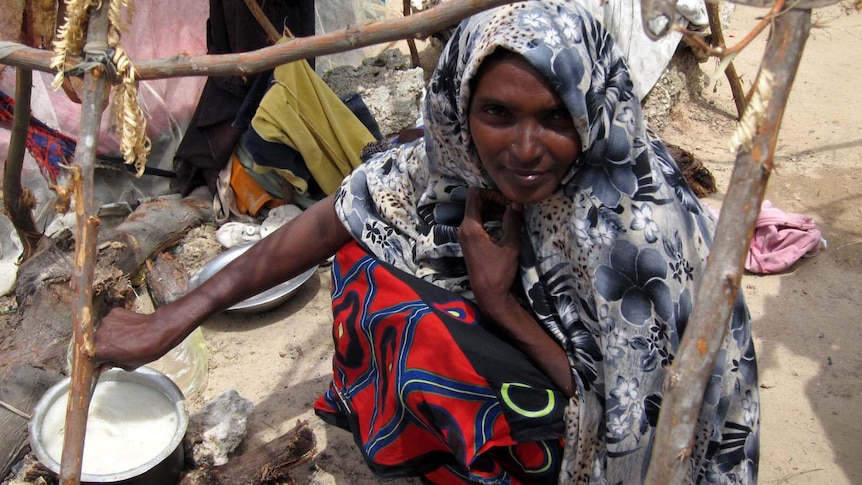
(50, 148)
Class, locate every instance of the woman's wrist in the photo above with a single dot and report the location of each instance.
(179, 319)
(508, 313)
(525, 332)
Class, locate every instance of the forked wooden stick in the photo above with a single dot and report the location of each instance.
(94, 99)
(687, 378)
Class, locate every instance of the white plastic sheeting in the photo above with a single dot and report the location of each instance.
(647, 59)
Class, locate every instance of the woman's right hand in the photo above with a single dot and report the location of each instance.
(129, 340)
(492, 265)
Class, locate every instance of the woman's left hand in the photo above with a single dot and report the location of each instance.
(492, 263)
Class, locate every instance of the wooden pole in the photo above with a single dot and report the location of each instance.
(419, 25)
(411, 43)
(83, 377)
(18, 201)
(717, 40)
(271, 32)
(686, 379)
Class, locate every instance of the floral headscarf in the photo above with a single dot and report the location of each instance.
(609, 262)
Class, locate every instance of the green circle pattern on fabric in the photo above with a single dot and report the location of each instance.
(504, 392)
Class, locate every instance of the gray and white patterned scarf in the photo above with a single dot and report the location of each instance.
(610, 262)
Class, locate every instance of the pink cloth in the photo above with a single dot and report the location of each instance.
(780, 239)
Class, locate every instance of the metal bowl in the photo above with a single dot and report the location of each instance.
(163, 467)
(261, 302)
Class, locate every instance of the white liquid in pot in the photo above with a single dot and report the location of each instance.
(128, 425)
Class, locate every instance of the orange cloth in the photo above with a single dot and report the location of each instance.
(250, 196)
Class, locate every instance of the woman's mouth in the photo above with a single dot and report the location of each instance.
(528, 177)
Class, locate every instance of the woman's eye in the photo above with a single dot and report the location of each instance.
(559, 119)
(559, 114)
(494, 110)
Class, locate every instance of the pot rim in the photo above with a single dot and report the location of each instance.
(261, 302)
(144, 375)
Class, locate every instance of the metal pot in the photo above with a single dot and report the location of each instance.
(161, 469)
(262, 302)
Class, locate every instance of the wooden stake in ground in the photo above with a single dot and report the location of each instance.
(19, 201)
(717, 40)
(411, 43)
(83, 370)
(687, 377)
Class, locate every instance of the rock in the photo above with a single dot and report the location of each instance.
(216, 430)
(388, 86)
(682, 81)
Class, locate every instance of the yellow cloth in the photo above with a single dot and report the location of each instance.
(301, 111)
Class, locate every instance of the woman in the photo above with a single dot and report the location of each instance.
(508, 291)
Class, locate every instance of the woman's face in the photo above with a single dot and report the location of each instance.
(522, 131)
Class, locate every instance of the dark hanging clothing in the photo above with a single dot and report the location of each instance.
(211, 137)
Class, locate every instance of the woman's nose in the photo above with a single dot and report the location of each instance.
(527, 144)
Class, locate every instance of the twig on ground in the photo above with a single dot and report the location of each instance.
(14, 410)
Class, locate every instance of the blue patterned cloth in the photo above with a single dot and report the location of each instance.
(610, 262)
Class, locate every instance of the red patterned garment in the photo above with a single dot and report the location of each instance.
(428, 389)
(49, 147)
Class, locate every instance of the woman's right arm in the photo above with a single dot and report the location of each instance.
(129, 340)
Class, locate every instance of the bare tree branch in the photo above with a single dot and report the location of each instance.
(686, 379)
(83, 369)
(419, 25)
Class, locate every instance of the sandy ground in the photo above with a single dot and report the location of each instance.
(804, 320)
